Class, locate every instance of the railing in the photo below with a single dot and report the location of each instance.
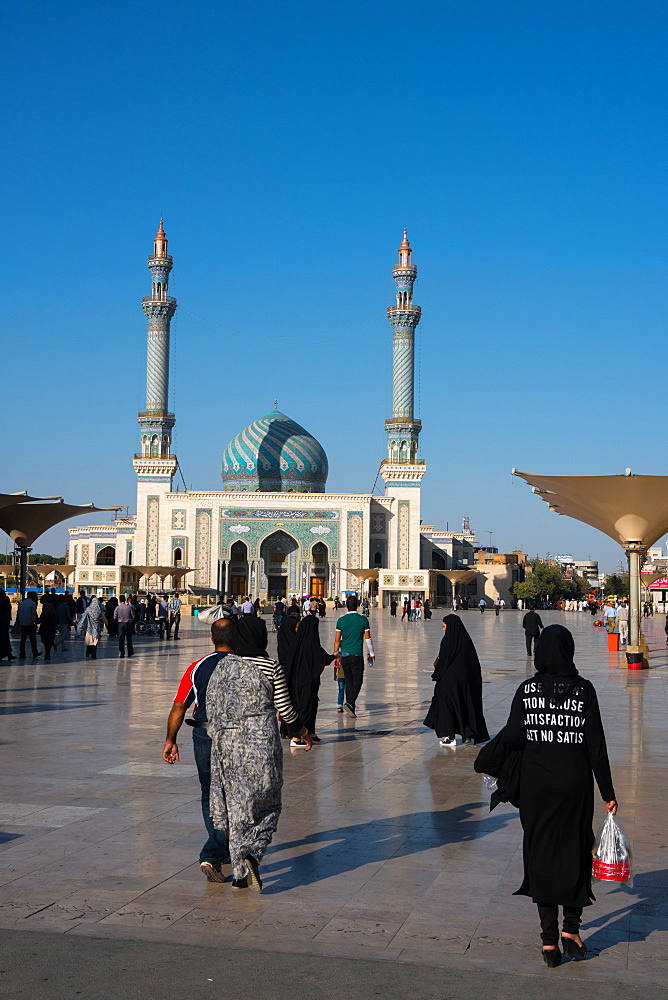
(158, 298)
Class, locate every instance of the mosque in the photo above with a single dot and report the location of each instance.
(273, 529)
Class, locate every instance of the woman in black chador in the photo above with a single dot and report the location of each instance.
(307, 661)
(556, 722)
(457, 703)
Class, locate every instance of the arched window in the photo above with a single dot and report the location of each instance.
(378, 559)
(178, 557)
(106, 556)
(403, 452)
(155, 447)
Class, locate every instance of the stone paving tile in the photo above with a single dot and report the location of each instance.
(386, 847)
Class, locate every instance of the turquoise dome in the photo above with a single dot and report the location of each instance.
(275, 455)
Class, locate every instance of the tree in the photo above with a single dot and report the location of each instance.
(617, 584)
(548, 582)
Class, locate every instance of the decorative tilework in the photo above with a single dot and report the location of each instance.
(179, 543)
(83, 575)
(320, 530)
(76, 554)
(388, 581)
(354, 558)
(403, 553)
(403, 581)
(102, 545)
(178, 519)
(418, 581)
(203, 519)
(98, 576)
(128, 552)
(84, 555)
(152, 526)
(111, 576)
(378, 524)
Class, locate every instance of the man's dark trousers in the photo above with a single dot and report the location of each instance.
(216, 848)
(529, 636)
(353, 671)
(125, 630)
(28, 631)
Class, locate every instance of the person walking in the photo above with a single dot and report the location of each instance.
(623, 622)
(562, 744)
(150, 608)
(306, 663)
(48, 623)
(426, 610)
(5, 622)
(63, 624)
(393, 608)
(352, 629)
(497, 606)
(533, 626)
(456, 706)
(245, 692)
(322, 607)
(192, 690)
(163, 617)
(124, 615)
(482, 604)
(247, 607)
(91, 625)
(610, 616)
(110, 621)
(26, 617)
(174, 610)
(279, 613)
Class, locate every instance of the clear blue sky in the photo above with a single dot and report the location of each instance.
(524, 145)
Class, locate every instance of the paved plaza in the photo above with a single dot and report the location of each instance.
(386, 850)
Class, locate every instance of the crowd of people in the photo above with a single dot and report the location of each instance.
(52, 616)
(545, 758)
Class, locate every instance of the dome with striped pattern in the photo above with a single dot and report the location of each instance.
(275, 455)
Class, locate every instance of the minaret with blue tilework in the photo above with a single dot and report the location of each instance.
(156, 423)
(403, 430)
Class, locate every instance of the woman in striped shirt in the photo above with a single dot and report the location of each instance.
(245, 692)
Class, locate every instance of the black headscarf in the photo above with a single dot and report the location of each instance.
(308, 657)
(554, 660)
(249, 638)
(286, 638)
(456, 643)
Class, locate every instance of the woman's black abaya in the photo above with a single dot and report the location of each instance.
(457, 703)
(286, 640)
(555, 719)
(307, 663)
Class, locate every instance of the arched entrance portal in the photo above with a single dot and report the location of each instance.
(278, 554)
(319, 570)
(239, 570)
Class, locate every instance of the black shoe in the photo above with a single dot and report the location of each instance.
(572, 949)
(239, 883)
(349, 709)
(315, 739)
(253, 876)
(36, 654)
(552, 957)
(121, 656)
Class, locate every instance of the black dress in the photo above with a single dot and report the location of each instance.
(556, 721)
(456, 706)
(5, 622)
(307, 662)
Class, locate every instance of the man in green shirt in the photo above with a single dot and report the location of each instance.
(352, 630)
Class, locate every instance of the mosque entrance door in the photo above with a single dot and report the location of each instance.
(317, 586)
(278, 555)
(238, 586)
(277, 586)
(239, 569)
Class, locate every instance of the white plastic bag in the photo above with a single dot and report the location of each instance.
(211, 615)
(489, 782)
(611, 857)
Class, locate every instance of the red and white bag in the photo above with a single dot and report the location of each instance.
(611, 857)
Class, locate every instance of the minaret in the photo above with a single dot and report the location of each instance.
(402, 471)
(156, 422)
(402, 428)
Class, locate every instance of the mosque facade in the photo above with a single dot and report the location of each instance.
(273, 529)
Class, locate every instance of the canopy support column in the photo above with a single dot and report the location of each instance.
(23, 568)
(634, 552)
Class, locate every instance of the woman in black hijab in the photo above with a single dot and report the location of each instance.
(555, 720)
(457, 703)
(286, 640)
(251, 637)
(5, 622)
(307, 662)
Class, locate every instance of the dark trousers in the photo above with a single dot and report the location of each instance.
(174, 622)
(125, 630)
(216, 848)
(549, 921)
(353, 670)
(28, 631)
(164, 624)
(529, 636)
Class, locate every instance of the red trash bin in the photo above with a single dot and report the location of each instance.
(613, 642)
